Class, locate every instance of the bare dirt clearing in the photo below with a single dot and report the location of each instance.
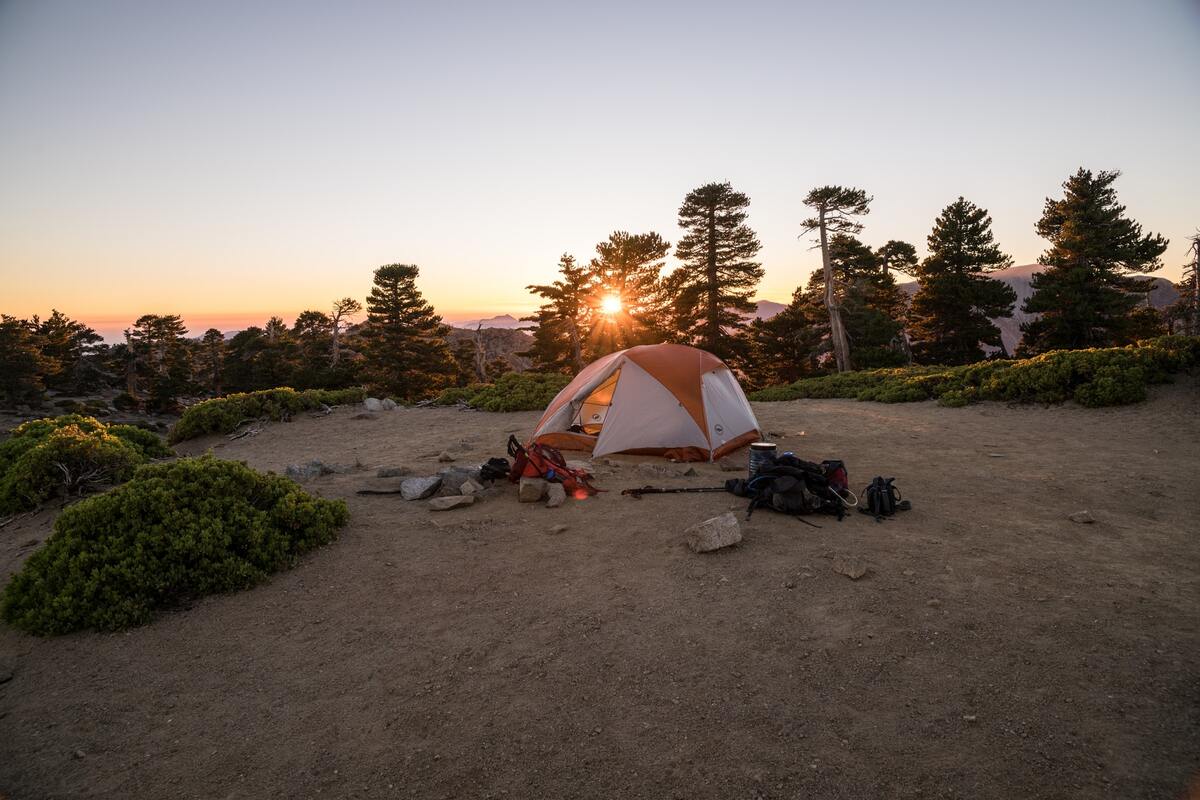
(994, 648)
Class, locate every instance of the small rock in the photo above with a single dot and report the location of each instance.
(690, 472)
(445, 457)
(558, 529)
(970, 717)
(729, 465)
(656, 470)
(1082, 517)
(388, 404)
(609, 462)
(852, 568)
(419, 488)
(789, 584)
(934, 603)
(713, 534)
(303, 472)
(909, 573)
(79, 754)
(453, 501)
(531, 490)
(373, 404)
(392, 472)
(471, 486)
(995, 455)
(556, 495)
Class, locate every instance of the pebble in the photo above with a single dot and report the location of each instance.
(445, 457)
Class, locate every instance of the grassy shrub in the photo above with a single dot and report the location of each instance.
(67, 455)
(1093, 378)
(514, 391)
(224, 414)
(175, 531)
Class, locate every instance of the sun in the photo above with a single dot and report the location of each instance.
(610, 304)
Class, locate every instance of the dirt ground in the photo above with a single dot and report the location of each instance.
(995, 649)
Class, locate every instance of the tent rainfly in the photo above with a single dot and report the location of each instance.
(662, 399)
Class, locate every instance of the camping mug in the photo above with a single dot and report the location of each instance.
(762, 454)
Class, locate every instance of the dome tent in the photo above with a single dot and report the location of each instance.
(661, 399)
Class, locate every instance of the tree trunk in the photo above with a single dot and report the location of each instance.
(713, 323)
(480, 356)
(335, 352)
(837, 331)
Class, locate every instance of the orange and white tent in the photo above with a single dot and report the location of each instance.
(659, 399)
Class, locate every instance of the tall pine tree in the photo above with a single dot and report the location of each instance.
(628, 267)
(563, 321)
(1088, 294)
(951, 314)
(837, 208)
(718, 275)
(785, 347)
(406, 353)
(1184, 314)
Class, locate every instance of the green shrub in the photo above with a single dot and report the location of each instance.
(68, 455)
(1099, 377)
(175, 531)
(224, 414)
(513, 391)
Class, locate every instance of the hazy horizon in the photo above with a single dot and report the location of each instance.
(225, 162)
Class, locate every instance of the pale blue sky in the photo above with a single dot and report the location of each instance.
(231, 159)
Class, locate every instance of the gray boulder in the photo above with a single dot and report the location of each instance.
(715, 533)
(373, 404)
(531, 490)
(556, 495)
(420, 488)
(315, 469)
(447, 503)
(388, 404)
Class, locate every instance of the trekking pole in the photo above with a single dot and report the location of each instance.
(636, 494)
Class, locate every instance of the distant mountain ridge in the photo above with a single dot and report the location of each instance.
(505, 321)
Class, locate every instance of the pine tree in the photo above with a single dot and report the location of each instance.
(1088, 293)
(870, 304)
(952, 312)
(785, 347)
(897, 256)
(1184, 314)
(718, 276)
(563, 322)
(73, 346)
(161, 361)
(628, 267)
(836, 208)
(210, 361)
(23, 363)
(406, 354)
(343, 311)
(312, 333)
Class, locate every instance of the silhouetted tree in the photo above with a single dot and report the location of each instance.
(627, 266)
(836, 208)
(1184, 314)
(1088, 293)
(563, 322)
(406, 353)
(72, 345)
(897, 256)
(210, 360)
(343, 312)
(23, 363)
(785, 347)
(161, 359)
(952, 312)
(718, 275)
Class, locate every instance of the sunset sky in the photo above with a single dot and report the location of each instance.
(229, 160)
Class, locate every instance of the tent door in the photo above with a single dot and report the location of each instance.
(593, 410)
